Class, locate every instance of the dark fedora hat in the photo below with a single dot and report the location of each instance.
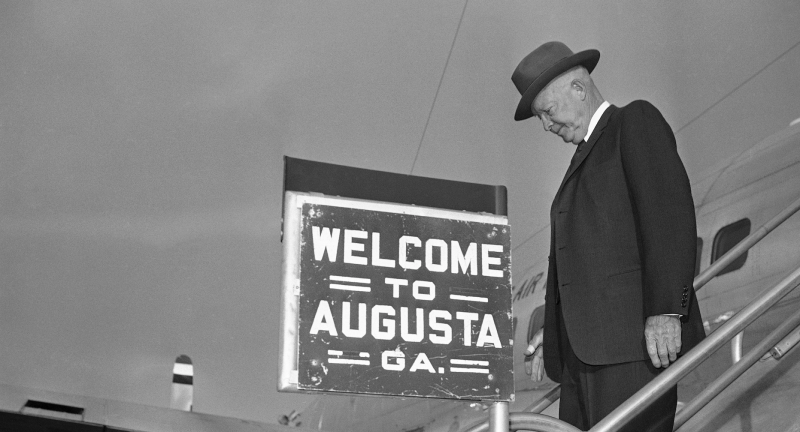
(543, 65)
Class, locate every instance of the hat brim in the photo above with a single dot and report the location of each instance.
(587, 59)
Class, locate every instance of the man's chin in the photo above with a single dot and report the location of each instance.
(567, 137)
(573, 140)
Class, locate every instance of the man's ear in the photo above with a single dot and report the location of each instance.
(579, 87)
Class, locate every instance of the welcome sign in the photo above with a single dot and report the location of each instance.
(398, 300)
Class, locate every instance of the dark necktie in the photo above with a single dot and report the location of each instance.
(577, 153)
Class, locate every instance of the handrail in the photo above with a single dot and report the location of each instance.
(539, 422)
(545, 401)
(702, 351)
(727, 377)
(670, 377)
(743, 246)
(531, 422)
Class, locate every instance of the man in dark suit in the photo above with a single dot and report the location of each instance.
(619, 303)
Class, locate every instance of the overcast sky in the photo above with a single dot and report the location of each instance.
(142, 145)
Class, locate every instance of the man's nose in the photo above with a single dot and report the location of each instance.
(546, 123)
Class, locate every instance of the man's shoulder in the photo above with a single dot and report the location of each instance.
(639, 120)
(639, 108)
(636, 115)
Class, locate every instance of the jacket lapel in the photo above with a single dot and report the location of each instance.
(596, 133)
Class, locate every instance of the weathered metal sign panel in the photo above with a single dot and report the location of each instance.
(401, 300)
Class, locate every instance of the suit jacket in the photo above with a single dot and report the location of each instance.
(623, 242)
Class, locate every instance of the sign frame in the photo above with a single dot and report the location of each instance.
(288, 380)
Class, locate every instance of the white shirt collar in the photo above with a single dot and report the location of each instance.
(596, 118)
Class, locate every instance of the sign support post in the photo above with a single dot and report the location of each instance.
(498, 417)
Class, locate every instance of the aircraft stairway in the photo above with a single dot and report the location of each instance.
(759, 375)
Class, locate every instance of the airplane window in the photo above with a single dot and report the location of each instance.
(728, 237)
(536, 322)
(699, 255)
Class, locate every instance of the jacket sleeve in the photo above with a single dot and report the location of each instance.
(663, 209)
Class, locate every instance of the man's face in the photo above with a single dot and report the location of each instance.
(559, 106)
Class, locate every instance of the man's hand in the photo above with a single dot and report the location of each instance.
(534, 365)
(662, 333)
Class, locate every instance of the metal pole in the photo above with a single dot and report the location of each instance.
(736, 347)
(668, 378)
(498, 417)
(727, 377)
(539, 422)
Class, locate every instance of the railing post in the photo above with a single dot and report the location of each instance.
(736, 347)
(498, 417)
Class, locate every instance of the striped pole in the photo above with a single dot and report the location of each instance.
(182, 384)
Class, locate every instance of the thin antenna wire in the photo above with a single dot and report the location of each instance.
(530, 237)
(438, 87)
(736, 88)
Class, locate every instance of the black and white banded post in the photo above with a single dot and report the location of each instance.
(182, 384)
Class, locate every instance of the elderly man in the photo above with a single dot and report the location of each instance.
(620, 304)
